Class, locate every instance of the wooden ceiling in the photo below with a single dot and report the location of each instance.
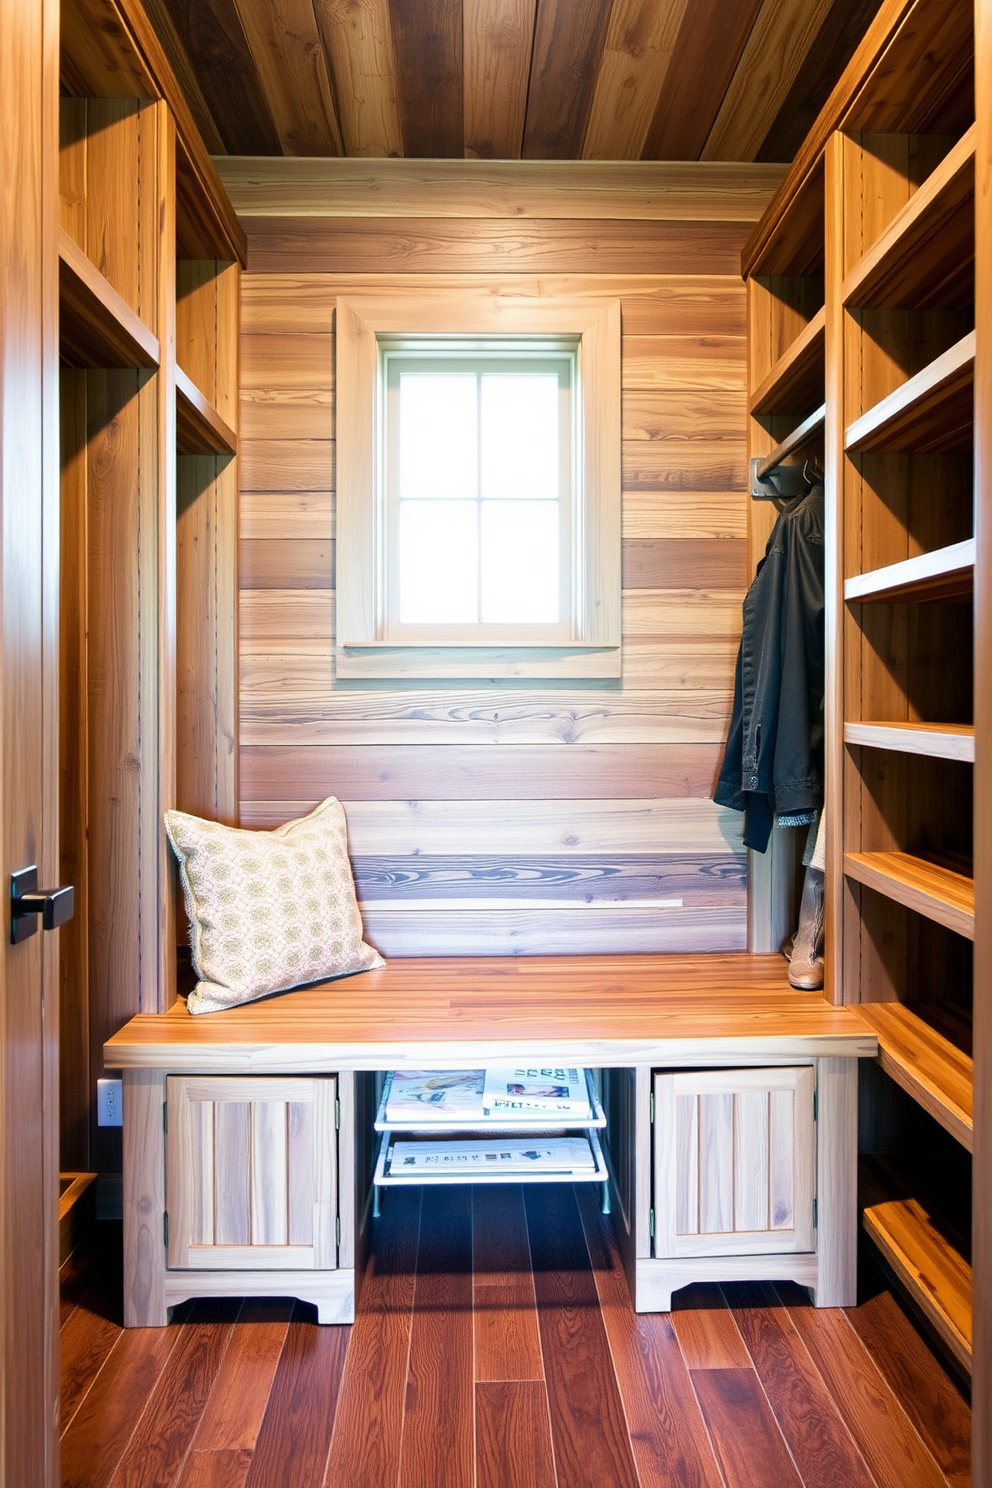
(505, 79)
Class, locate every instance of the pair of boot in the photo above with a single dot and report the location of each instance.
(806, 956)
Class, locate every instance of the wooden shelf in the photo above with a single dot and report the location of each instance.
(932, 411)
(200, 430)
(930, 1068)
(796, 380)
(930, 890)
(97, 328)
(944, 573)
(804, 434)
(926, 257)
(952, 741)
(936, 1276)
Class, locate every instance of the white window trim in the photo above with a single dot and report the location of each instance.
(360, 650)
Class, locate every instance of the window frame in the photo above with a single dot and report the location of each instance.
(362, 646)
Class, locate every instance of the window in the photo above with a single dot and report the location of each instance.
(478, 486)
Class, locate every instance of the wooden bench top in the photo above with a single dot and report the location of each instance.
(455, 1011)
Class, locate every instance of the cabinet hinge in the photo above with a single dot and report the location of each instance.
(165, 1229)
(814, 1214)
(816, 1104)
(337, 1115)
(651, 1107)
(165, 1117)
(337, 1228)
(651, 1223)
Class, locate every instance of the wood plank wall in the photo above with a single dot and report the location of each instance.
(495, 818)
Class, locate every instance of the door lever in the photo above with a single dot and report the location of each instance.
(27, 901)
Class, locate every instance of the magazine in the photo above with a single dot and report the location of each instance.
(504, 1154)
(555, 1090)
(426, 1095)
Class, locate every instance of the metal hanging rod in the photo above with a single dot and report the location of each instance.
(771, 478)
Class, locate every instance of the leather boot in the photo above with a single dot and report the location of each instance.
(806, 962)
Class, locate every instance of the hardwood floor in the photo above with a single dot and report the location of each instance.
(495, 1347)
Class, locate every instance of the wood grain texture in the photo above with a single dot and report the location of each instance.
(507, 1341)
(743, 1429)
(707, 1333)
(512, 1435)
(565, 58)
(497, 45)
(705, 56)
(285, 45)
(295, 1436)
(214, 40)
(427, 45)
(358, 41)
(633, 71)
(236, 1405)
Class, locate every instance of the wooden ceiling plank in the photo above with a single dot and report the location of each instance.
(158, 14)
(215, 42)
(636, 60)
(707, 51)
(498, 40)
(427, 38)
(358, 41)
(288, 53)
(776, 49)
(845, 25)
(568, 45)
(518, 190)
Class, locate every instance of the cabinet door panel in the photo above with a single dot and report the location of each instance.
(734, 1162)
(251, 1173)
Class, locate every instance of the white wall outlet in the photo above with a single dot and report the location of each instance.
(109, 1103)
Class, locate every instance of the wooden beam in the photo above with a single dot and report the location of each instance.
(632, 190)
(286, 47)
(634, 69)
(358, 41)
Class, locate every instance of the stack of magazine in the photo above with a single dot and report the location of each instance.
(508, 1155)
(559, 1093)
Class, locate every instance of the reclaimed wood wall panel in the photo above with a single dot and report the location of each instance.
(508, 818)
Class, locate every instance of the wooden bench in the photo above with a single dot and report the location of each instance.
(248, 1134)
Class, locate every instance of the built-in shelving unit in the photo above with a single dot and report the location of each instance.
(200, 430)
(893, 156)
(97, 327)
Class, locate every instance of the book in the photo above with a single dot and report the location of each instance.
(554, 1090)
(503, 1154)
(425, 1095)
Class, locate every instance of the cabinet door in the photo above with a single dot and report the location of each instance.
(251, 1173)
(734, 1162)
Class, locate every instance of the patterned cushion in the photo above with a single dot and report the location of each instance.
(268, 910)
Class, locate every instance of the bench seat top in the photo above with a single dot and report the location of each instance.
(456, 1011)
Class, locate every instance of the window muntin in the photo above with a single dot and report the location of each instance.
(478, 490)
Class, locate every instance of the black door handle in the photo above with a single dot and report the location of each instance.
(27, 901)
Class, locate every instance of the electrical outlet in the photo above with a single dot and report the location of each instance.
(109, 1103)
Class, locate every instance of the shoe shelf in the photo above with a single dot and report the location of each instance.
(97, 327)
(928, 1066)
(796, 380)
(932, 411)
(952, 741)
(926, 257)
(931, 890)
(944, 573)
(936, 1276)
(200, 430)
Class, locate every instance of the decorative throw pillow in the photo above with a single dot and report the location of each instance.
(268, 910)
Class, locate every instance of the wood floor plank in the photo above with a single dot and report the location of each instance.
(924, 1390)
(368, 1425)
(707, 1334)
(507, 1341)
(807, 1415)
(588, 1426)
(219, 1468)
(513, 1435)
(668, 1438)
(235, 1409)
(97, 1435)
(886, 1438)
(162, 1438)
(293, 1443)
(84, 1344)
(438, 1445)
(743, 1429)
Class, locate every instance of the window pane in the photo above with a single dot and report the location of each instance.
(438, 455)
(439, 562)
(520, 562)
(520, 441)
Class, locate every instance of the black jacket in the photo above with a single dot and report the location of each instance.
(774, 757)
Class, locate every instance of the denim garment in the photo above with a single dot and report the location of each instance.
(773, 762)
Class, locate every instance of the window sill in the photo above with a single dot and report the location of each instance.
(388, 659)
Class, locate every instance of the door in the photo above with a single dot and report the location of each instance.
(251, 1172)
(734, 1162)
(28, 741)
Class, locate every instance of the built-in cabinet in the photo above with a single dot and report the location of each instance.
(149, 265)
(886, 345)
